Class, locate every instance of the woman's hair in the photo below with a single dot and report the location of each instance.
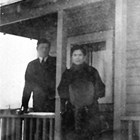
(78, 47)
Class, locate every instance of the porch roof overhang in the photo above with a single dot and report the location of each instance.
(26, 18)
(30, 28)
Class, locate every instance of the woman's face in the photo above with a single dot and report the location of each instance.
(78, 57)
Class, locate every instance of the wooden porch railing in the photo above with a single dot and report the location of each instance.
(32, 126)
(130, 128)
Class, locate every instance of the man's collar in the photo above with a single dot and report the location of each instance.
(41, 58)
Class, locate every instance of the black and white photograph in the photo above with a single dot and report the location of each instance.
(69, 70)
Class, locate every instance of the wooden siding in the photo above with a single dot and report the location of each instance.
(133, 58)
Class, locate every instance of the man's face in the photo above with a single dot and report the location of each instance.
(78, 57)
(43, 50)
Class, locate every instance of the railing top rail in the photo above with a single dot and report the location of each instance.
(31, 115)
(130, 118)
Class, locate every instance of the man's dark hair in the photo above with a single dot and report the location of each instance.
(78, 47)
(43, 40)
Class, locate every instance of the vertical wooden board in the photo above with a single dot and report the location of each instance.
(61, 64)
(25, 129)
(18, 129)
(124, 130)
(8, 133)
(31, 129)
(135, 130)
(120, 64)
(37, 129)
(13, 129)
(130, 130)
(51, 129)
(45, 133)
(3, 129)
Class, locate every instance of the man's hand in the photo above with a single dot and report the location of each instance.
(22, 110)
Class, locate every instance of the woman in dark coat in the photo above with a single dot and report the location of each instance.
(79, 90)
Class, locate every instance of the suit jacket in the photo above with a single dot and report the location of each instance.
(40, 80)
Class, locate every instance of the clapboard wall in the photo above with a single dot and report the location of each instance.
(133, 58)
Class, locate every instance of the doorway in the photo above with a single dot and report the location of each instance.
(99, 47)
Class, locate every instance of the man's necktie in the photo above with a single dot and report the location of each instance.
(43, 62)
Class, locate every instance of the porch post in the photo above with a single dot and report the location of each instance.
(120, 65)
(61, 64)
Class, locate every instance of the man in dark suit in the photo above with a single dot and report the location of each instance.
(40, 80)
